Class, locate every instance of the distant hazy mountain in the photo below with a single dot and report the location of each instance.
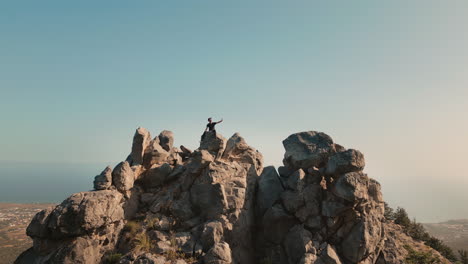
(453, 232)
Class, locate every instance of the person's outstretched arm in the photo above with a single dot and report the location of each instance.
(219, 121)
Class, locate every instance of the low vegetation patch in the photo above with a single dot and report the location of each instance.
(112, 258)
(152, 223)
(132, 227)
(143, 242)
(416, 257)
(417, 231)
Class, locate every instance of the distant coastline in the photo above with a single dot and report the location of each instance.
(38, 183)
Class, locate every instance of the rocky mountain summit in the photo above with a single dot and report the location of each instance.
(219, 205)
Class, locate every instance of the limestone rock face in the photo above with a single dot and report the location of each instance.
(346, 161)
(80, 214)
(123, 177)
(141, 140)
(220, 253)
(213, 142)
(166, 140)
(329, 211)
(199, 160)
(218, 205)
(269, 189)
(157, 175)
(298, 241)
(238, 150)
(103, 181)
(155, 153)
(75, 230)
(185, 154)
(307, 149)
(352, 186)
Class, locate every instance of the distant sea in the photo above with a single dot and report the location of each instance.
(22, 182)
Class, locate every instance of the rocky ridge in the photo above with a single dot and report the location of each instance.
(219, 205)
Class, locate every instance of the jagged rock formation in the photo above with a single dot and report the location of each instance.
(218, 205)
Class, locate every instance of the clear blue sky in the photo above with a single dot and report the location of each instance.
(386, 77)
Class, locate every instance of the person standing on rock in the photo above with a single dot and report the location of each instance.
(211, 127)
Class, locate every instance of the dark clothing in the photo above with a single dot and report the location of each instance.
(211, 126)
(211, 129)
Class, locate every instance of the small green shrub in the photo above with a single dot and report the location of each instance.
(389, 213)
(152, 222)
(132, 227)
(401, 218)
(143, 242)
(173, 241)
(463, 256)
(417, 231)
(171, 254)
(266, 260)
(112, 258)
(175, 252)
(415, 257)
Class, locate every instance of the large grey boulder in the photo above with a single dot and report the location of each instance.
(297, 243)
(123, 176)
(38, 226)
(237, 149)
(269, 189)
(209, 199)
(176, 172)
(235, 146)
(198, 161)
(212, 234)
(88, 248)
(103, 181)
(313, 222)
(155, 154)
(333, 209)
(307, 149)
(220, 253)
(292, 201)
(364, 238)
(141, 140)
(312, 196)
(166, 139)
(157, 175)
(284, 171)
(352, 186)
(296, 180)
(350, 160)
(80, 214)
(276, 224)
(181, 208)
(213, 142)
(174, 157)
(375, 191)
(79, 251)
